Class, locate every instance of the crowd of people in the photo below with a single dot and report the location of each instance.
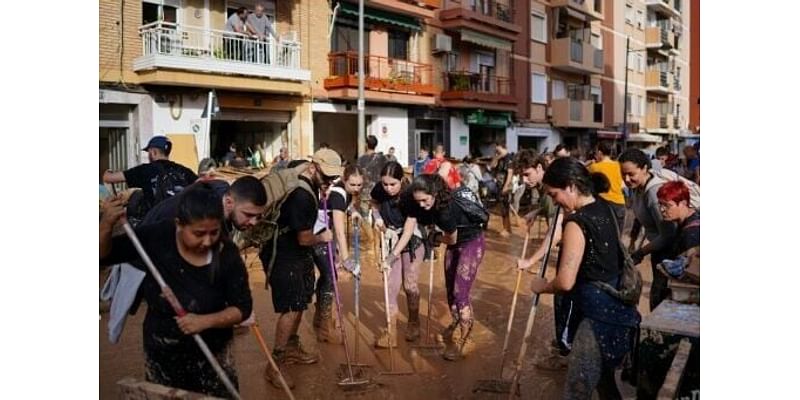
(189, 235)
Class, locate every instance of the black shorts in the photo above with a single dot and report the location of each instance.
(292, 284)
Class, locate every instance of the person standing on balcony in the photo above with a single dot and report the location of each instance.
(234, 44)
(258, 23)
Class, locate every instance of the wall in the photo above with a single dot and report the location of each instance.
(119, 33)
(694, 64)
(458, 128)
(550, 138)
(141, 120)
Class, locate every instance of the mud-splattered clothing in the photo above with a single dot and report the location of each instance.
(173, 358)
(461, 262)
(606, 326)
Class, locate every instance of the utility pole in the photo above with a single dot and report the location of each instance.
(625, 100)
(362, 139)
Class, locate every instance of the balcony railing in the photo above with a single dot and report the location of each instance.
(575, 108)
(576, 55)
(676, 122)
(575, 51)
(380, 73)
(177, 46)
(491, 8)
(463, 81)
(663, 122)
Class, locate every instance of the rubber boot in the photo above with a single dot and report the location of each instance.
(323, 311)
(412, 329)
(272, 376)
(382, 342)
(295, 354)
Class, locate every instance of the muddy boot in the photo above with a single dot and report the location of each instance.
(412, 329)
(454, 348)
(295, 353)
(272, 376)
(382, 342)
(322, 319)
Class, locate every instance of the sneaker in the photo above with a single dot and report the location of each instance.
(295, 354)
(552, 362)
(273, 377)
(452, 350)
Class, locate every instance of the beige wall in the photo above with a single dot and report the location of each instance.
(112, 26)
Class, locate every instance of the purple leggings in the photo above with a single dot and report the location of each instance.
(406, 272)
(461, 263)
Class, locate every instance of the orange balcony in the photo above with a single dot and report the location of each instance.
(659, 81)
(573, 113)
(462, 89)
(592, 8)
(659, 37)
(659, 122)
(572, 55)
(420, 9)
(486, 16)
(385, 79)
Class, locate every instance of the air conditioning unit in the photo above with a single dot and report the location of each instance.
(442, 43)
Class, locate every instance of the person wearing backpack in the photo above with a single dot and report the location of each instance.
(591, 253)
(462, 222)
(638, 175)
(159, 179)
(404, 248)
(290, 273)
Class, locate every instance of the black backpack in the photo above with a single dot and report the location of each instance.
(169, 182)
(471, 205)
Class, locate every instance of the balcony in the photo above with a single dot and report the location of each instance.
(664, 6)
(576, 113)
(573, 55)
(171, 46)
(419, 9)
(486, 16)
(592, 8)
(658, 122)
(385, 79)
(462, 89)
(659, 37)
(659, 81)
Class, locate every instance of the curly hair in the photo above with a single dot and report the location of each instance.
(434, 185)
(528, 159)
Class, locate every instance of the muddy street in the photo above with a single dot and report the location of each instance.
(432, 377)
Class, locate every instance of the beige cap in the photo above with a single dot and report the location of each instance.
(329, 162)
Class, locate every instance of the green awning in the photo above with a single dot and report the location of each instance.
(483, 39)
(381, 16)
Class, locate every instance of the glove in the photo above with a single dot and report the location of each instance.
(387, 263)
(637, 257)
(349, 265)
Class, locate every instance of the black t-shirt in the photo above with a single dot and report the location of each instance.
(449, 220)
(688, 234)
(601, 259)
(393, 214)
(145, 176)
(167, 210)
(298, 213)
(501, 170)
(335, 201)
(194, 287)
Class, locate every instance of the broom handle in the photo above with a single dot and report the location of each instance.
(336, 289)
(430, 300)
(532, 313)
(386, 302)
(357, 253)
(264, 348)
(513, 305)
(176, 305)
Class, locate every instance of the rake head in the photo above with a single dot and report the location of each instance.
(495, 386)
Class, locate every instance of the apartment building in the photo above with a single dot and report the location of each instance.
(694, 67)
(162, 60)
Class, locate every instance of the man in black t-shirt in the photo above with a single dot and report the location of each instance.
(372, 163)
(292, 274)
(159, 179)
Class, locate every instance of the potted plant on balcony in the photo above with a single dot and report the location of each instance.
(460, 82)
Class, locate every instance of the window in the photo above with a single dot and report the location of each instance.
(539, 27)
(631, 61)
(597, 41)
(628, 102)
(629, 14)
(597, 94)
(640, 19)
(166, 11)
(559, 90)
(345, 38)
(398, 45)
(451, 62)
(640, 62)
(538, 88)
(641, 106)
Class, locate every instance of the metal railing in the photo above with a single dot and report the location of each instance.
(575, 50)
(464, 81)
(662, 122)
(491, 8)
(387, 72)
(663, 79)
(676, 122)
(169, 39)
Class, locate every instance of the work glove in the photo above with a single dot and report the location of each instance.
(349, 265)
(387, 263)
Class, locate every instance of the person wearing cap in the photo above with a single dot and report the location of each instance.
(291, 275)
(150, 177)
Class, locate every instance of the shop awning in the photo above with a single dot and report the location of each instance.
(482, 39)
(381, 16)
(492, 119)
(644, 137)
(609, 134)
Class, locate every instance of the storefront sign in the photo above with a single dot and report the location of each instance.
(497, 120)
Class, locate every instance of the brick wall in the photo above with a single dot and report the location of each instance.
(112, 43)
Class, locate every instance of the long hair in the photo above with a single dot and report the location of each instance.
(567, 171)
(434, 185)
(199, 202)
